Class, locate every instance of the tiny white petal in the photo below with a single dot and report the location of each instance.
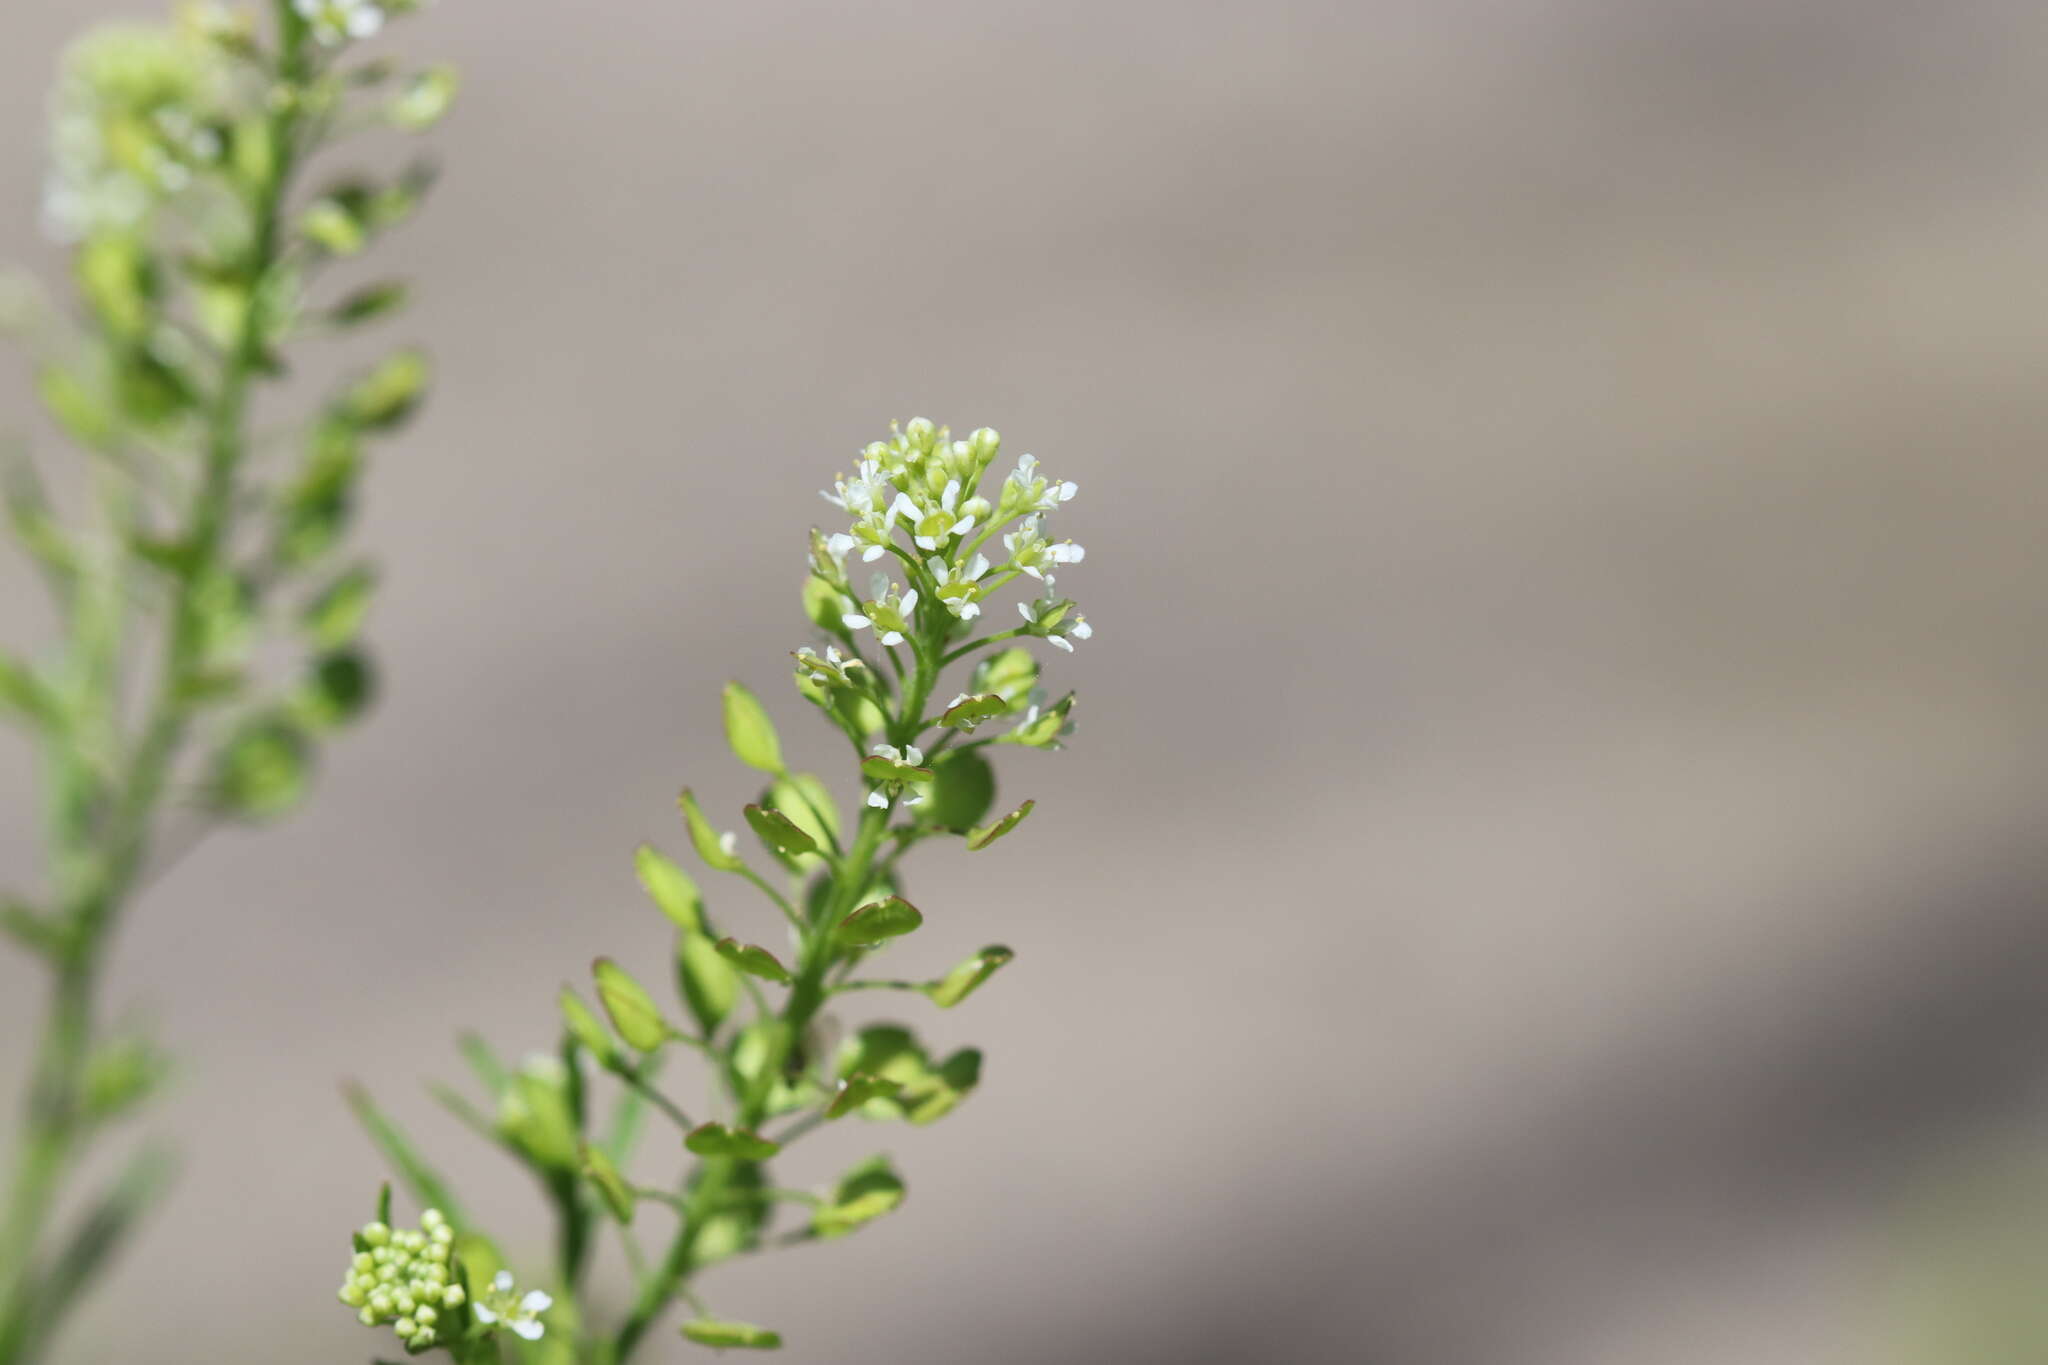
(484, 1313)
(968, 611)
(536, 1301)
(730, 841)
(878, 801)
(529, 1329)
(871, 554)
(910, 602)
(853, 620)
(503, 1282)
(1081, 630)
(1057, 643)
(914, 756)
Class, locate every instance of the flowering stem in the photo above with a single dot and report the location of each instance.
(102, 825)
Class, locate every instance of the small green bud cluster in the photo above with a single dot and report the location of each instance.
(405, 1278)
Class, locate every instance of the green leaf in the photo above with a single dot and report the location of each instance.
(710, 986)
(632, 1010)
(1043, 731)
(942, 1092)
(32, 929)
(27, 697)
(778, 831)
(864, 1194)
(98, 1237)
(29, 514)
(971, 710)
(805, 799)
(425, 99)
(422, 1181)
(750, 732)
(856, 1090)
(966, 978)
(483, 1062)
(1010, 674)
(121, 1074)
(583, 1025)
(731, 1335)
(716, 1139)
(982, 836)
(886, 919)
(825, 605)
(962, 790)
(709, 843)
(367, 303)
(340, 688)
(617, 1197)
(754, 960)
(670, 888)
(537, 1113)
(264, 770)
(83, 413)
(388, 394)
(335, 617)
(337, 223)
(879, 769)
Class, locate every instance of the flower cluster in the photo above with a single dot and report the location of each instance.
(918, 496)
(135, 113)
(405, 1278)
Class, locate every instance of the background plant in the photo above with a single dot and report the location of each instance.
(921, 506)
(209, 622)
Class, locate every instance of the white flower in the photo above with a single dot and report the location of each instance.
(1027, 492)
(958, 589)
(1034, 554)
(1055, 619)
(888, 614)
(930, 524)
(909, 755)
(521, 1315)
(338, 21)
(829, 668)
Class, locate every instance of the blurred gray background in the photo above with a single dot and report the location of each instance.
(1551, 870)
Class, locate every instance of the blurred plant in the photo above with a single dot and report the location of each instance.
(757, 1016)
(177, 150)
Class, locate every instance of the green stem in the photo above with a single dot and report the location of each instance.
(101, 841)
(716, 1175)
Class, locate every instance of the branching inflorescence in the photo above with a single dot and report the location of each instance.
(946, 533)
(203, 556)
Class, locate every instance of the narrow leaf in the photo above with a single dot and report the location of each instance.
(731, 1335)
(711, 846)
(982, 836)
(779, 832)
(886, 919)
(754, 960)
(716, 1139)
(422, 1181)
(750, 732)
(966, 978)
(633, 1012)
(670, 888)
(617, 1197)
